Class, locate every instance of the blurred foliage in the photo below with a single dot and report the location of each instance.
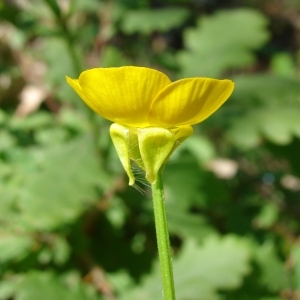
(71, 228)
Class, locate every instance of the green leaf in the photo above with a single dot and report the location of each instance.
(37, 120)
(188, 225)
(271, 298)
(200, 271)
(222, 41)
(265, 89)
(113, 57)
(64, 60)
(220, 263)
(182, 179)
(117, 212)
(51, 136)
(295, 258)
(60, 249)
(64, 186)
(264, 106)
(268, 215)
(273, 273)
(3, 117)
(53, 5)
(7, 140)
(6, 289)
(89, 6)
(199, 146)
(73, 120)
(147, 21)
(283, 64)
(30, 286)
(14, 246)
(278, 125)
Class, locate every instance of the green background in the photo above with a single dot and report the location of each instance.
(71, 228)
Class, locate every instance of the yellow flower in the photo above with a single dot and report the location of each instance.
(151, 114)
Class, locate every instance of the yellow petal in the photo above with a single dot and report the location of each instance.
(189, 101)
(122, 95)
(74, 83)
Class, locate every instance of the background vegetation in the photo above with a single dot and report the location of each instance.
(71, 228)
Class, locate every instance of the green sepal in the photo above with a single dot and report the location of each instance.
(155, 145)
(120, 136)
(148, 147)
(134, 149)
(181, 134)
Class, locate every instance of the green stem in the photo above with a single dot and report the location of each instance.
(163, 242)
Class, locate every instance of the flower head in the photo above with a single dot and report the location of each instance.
(152, 115)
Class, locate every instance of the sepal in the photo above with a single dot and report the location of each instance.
(148, 147)
(120, 136)
(155, 145)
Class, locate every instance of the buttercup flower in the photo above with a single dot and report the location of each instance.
(151, 114)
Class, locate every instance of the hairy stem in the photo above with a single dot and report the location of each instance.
(163, 241)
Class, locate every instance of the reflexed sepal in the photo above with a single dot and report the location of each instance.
(181, 134)
(148, 147)
(155, 145)
(120, 136)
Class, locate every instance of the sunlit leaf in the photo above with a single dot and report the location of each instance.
(295, 255)
(30, 286)
(279, 125)
(273, 273)
(185, 225)
(147, 21)
(14, 246)
(64, 186)
(222, 41)
(113, 57)
(200, 271)
(283, 64)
